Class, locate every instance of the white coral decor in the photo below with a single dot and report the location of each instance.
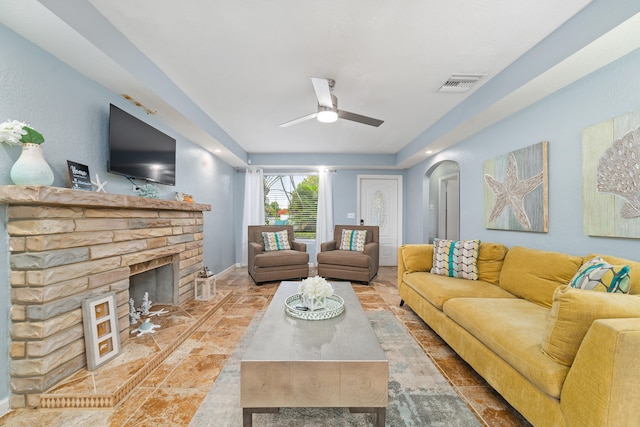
(314, 291)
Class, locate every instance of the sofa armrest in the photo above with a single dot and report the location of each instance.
(373, 250)
(299, 246)
(255, 249)
(328, 246)
(602, 387)
(401, 266)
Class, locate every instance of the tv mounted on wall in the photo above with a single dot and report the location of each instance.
(138, 150)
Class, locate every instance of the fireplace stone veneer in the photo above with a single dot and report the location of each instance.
(66, 246)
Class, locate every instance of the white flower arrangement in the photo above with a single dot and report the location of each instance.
(314, 291)
(13, 132)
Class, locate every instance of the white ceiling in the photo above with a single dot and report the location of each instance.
(225, 73)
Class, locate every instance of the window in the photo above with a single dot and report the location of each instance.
(293, 200)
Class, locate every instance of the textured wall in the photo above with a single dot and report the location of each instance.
(560, 118)
(71, 112)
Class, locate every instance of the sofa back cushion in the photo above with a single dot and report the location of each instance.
(534, 274)
(572, 313)
(634, 269)
(417, 257)
(490, 261)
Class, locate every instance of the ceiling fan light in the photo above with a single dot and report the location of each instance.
(327, 115)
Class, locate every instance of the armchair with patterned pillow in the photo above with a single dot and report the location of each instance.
(352, 255)
(274, 254)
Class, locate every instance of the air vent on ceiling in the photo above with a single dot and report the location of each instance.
(460, 82)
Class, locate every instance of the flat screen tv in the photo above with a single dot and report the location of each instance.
(138, 150)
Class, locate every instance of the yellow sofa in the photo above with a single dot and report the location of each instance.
(560, 356)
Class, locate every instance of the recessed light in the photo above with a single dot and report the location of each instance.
(217, 150)
(428, 152)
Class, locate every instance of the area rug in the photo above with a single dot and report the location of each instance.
(418, 394)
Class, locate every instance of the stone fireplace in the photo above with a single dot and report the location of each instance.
(66, 246)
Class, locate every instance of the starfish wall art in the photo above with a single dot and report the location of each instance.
(516, 190)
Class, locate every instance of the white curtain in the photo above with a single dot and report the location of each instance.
(324, 221)
(253, 213)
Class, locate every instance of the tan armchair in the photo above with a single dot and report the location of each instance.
(350, 265)
(276, 265)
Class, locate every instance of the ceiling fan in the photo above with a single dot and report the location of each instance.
(328, 107)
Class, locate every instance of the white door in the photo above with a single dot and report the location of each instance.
(380, 203)
(449, 207)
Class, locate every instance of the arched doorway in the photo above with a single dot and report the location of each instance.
(443, 201)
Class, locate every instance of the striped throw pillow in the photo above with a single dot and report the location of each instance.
(276, 240)
(353, 240)
(456, 258)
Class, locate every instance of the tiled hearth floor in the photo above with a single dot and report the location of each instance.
(172, 393)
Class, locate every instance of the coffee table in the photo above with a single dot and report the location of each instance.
(293, 363)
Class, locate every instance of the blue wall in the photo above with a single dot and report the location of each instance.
(72, 113)
(607, 93)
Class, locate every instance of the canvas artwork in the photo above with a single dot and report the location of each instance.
(516, 190)
(611, 177)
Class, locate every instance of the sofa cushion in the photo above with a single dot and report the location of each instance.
(344, 258)
(353, 240)
(276, 240)
(535, 274)
(417, 257)
(490, 261)
(634, 269)
(438, 289)
(281, 258)
(572, 313)
(513, 329)
(456, 258)
(598, 275)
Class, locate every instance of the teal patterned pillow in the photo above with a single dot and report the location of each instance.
(456, 258)
(276, 240)
(353, 240)
(598, 275)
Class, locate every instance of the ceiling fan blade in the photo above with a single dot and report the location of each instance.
(323, 91)
(360, 119)
(298, 120)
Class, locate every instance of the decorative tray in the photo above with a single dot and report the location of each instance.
(335, 307)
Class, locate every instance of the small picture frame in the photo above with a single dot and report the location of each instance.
(101, 335)
(79, 176)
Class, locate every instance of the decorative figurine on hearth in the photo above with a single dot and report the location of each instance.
(145, 328)
(146, 304)
(134, 316)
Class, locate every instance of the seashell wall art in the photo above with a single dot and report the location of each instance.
(611, 177)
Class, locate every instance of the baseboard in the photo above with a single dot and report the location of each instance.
(228, 270)
(4, 406)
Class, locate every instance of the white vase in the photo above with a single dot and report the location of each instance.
(314, 304)
(31, 168)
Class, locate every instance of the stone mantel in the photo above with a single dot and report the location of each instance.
(57, 196)
(65, 246)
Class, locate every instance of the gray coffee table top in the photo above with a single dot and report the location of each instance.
(347, 337)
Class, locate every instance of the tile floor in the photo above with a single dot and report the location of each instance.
(172, 393)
